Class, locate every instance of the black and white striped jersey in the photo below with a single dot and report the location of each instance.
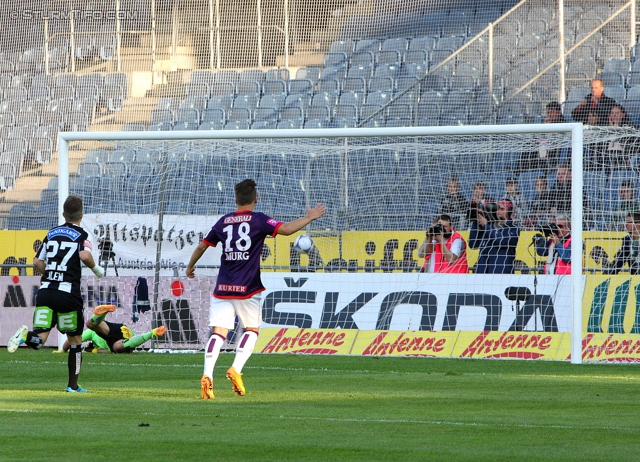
(60, 251)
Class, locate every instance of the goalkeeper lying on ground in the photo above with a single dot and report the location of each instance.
(112, 336)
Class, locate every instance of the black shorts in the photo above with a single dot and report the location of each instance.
(115, 334)
(56, 308)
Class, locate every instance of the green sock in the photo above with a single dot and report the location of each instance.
(137, 340)
(98, 318)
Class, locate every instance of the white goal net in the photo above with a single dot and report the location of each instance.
(151, 198)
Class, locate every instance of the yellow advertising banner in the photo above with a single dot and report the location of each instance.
(611, 347)
(389, 249)
(516, 345)
(19, 247)
(405, 343)
(306, 341)
(610, 304)
(394, 249)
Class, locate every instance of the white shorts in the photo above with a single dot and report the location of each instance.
(223, 312)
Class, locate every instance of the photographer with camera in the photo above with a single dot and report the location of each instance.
(629, 252)
(496, 235)
(444, 250)
(555, 245)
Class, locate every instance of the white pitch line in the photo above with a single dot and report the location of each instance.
(341, 371)
(343, 420)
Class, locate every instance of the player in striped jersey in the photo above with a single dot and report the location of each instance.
(59, 301)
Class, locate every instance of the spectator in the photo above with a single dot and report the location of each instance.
(554, 114)
(540, 206)
(478, 199)
(516, 198)
(592, 118)
(496, 239)
(619, 151)
(629, 252)
(628, 202)
(618, 117)
(444, 250)
(544, 158)
(560, 193)
(557, 247)
(453, 202)
(597, 101)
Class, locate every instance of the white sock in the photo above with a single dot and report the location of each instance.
(211, 353)
(244, 349)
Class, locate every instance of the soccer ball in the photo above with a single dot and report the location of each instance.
(303, 244)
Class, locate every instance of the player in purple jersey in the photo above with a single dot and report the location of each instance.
(242, 234)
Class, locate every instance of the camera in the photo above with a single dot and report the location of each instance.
(549, 230)
(106, 249)
(438, 229)
(435, 229)
(487, 210)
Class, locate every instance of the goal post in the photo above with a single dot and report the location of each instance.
(568, 134)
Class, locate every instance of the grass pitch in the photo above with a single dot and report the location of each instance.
(148, 407)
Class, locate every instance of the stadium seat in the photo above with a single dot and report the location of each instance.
(618, 93)
(422, 44)
(334, 60)
(362, 58)
(352, 98)
(223, 102)
(266, 114)
(380, 84)
(245, 101)
(372, 45)
(301, 100)
(292, 113)
(328, 86)
(21, 216)
(612, 79)
(319, 113)
(277, 74)
(185, 115)
(300, 86)
(346, 112)
(249, 88)
(237, 125)
(264, 124)
(389, 57)
(342, 46)
(391, 71)
(239, 114)
(214, 115)
(202, 89)
(354, 84)
(211, 125)
(334, 73)
(256, 75)
(274, 87)
(226, 76)
(324, 99)
(162, 116)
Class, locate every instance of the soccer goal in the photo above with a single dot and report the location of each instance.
(150, 197)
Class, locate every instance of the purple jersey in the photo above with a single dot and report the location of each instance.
(242, 233)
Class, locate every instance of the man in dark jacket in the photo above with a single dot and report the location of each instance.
(595, 101)
(629, 253)
(496, 240)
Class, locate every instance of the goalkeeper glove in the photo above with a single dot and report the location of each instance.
(98, 271)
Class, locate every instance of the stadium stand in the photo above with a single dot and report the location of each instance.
(356, 76)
